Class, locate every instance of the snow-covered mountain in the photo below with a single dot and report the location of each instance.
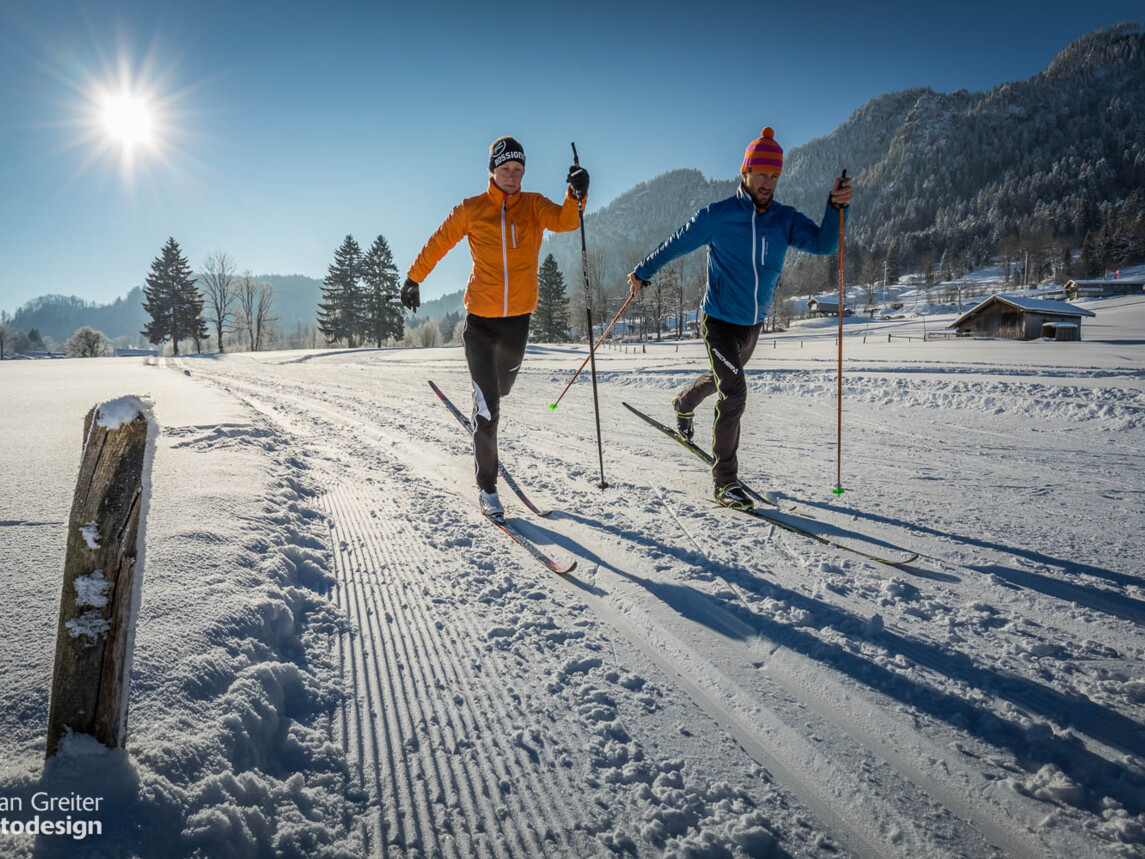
(1058, 159)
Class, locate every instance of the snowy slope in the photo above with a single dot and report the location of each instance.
(337, 656)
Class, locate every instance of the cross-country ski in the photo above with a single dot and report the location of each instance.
(821, 532)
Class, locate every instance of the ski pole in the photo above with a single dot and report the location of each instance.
(615, 319)
(588, 313)
(838, 490)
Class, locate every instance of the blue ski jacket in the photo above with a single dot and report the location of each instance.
(746, 250)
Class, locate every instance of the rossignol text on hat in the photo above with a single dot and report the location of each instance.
(505, 149)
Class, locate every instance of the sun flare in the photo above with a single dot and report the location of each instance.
(127, 119)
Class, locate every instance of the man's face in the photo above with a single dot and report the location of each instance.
(508, 176)
(760, 187)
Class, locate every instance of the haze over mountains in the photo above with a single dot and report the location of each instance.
(1055, 163)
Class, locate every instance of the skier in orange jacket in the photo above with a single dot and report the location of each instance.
(505, 226)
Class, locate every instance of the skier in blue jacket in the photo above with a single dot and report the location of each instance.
(747, 236)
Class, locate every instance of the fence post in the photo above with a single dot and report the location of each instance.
(100, 596)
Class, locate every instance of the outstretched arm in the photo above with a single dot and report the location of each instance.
(694, 234)
(452, 230)
(822, 238)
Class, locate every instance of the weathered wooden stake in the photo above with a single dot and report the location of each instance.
(99, 602)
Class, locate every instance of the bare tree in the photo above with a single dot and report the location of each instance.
(678, 296)
(86, 342)
(426, 334)
(595, 270)
(255, 300)
(219, 292)
(667, 284)
(7, 337)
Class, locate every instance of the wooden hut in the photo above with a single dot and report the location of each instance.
(1021, 319)
(826, 307)
(1075, 289)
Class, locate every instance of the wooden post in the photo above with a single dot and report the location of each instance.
(99, 601)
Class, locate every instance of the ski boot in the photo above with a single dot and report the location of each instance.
(733, 495)
(685, 421)
(490, 504)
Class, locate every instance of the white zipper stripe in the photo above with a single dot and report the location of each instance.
(754, 270)
(504, 261)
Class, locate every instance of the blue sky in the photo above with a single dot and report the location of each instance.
(279, 127)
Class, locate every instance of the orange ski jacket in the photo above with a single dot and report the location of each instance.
(504, 235)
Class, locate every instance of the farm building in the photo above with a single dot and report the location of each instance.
(826, 307)
(1022, 319)
(1075, 289)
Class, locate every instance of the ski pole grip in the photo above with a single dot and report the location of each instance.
(576, 160)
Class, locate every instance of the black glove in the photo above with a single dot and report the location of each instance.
(578, 181)
(411, 295)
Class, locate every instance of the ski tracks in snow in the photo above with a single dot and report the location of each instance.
(487, 712)
(487, 718)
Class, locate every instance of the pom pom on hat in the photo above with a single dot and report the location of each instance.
(763, 155)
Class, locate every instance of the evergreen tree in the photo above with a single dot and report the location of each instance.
(551, 320)
(342, 309)
(172, 300)
(448, 325)
(384, 317)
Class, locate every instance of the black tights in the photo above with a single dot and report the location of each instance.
(494, 349)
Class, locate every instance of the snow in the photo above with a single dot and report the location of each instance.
(122, 410)
(335, 656)
(90, 534)
(92, 589)
(91, 625)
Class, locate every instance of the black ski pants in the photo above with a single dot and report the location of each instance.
(494, 349)
(729, 348)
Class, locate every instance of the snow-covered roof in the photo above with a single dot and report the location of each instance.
(1115, 282)
(1037, 305)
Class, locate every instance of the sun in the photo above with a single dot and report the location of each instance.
(127, 119)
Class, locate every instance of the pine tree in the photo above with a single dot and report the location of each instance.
(384, 317)
(342, 309)
(551, 320)
(173, 301)
(448, 325)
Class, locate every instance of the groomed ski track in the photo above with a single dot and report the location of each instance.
(695, 684)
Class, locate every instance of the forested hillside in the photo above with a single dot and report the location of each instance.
(1049, 170)
(1045, 177)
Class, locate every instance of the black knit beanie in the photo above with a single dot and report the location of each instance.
(505, 149)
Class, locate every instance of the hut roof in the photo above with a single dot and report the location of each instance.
(1037, 305)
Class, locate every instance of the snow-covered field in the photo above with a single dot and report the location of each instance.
(337, 657)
